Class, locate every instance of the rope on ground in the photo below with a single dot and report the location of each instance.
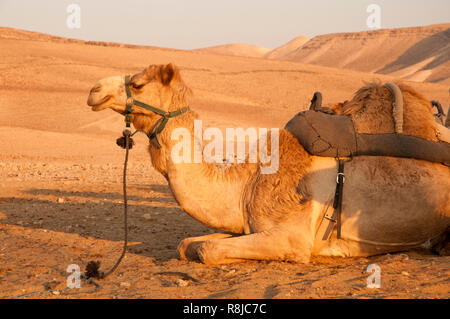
(93, 267)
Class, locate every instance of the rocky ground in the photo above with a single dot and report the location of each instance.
(56, 214)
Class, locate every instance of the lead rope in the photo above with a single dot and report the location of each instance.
(92, 268)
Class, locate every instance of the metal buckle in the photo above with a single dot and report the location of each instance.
(343, 178)
(330, 218)
(130, 101)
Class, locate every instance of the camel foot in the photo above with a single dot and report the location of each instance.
(188, 250)
(188, 247)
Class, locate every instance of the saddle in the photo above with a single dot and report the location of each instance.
(323, 134)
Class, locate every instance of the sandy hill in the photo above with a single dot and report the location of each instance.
(417, 53)
(17, 34)
(282, 51)
(237, 49)
(49, 78)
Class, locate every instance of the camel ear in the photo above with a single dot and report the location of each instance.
(167, 73)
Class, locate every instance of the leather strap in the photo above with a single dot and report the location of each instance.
(160, 124)
(337, 204)
(331, 219)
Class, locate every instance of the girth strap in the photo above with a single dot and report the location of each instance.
(332, 219)
(337, 204)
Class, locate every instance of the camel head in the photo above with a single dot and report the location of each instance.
(160, 86)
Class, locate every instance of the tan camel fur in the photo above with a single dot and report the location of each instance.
(370, 114)
(389, 204)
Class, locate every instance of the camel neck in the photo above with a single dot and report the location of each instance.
(209, 193)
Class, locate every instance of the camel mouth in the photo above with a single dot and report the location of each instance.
(98, 105)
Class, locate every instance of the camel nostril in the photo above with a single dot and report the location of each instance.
(96, 88)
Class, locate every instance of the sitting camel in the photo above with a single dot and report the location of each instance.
(389, 204)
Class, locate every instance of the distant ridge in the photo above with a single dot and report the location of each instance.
(237, 49)
(415, 53)
(17, 34)
(293, 45)
(420, 54)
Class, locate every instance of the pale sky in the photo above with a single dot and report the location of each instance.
(193, 24)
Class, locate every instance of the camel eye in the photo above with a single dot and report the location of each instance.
(137, 87)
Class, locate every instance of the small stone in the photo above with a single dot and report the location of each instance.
(55, 292)
(125, 284)
(181, 283)
(405, 273)
(405, 256)
(147, 216)
(60, 200)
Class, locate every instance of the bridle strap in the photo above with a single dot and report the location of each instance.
(160, 124)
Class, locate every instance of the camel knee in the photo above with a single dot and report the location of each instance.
(187, 248)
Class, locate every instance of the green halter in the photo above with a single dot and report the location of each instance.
(160, 124)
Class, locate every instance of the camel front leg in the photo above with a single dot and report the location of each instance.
(276, 244)
(188, 246)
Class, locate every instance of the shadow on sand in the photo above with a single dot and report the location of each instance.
(158, 234)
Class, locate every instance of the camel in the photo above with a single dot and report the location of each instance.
(389, 204)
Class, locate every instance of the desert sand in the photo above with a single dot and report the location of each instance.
(61, 171)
